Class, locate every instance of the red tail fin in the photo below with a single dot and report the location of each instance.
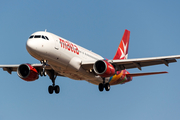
(122, 51)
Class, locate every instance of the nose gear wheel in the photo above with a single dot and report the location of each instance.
(43, 72)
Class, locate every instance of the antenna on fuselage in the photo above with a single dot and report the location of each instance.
(45, 30)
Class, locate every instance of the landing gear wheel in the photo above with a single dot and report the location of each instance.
(44, 73)
(57, 89)
(107, 87)
(52, 74)
(101, 87)
(50, 89)
(53, 88)
(41, 73)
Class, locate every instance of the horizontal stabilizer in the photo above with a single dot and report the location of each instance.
(143, 74)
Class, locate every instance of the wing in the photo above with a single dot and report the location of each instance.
(11, 68)
(136, 63)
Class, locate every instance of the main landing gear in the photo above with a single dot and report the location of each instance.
(52, 76)
(104, 85)
(53, 87)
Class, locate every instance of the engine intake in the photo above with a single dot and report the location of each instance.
(104, 68)
(27, 72)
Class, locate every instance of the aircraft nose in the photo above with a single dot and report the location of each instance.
(31, 45)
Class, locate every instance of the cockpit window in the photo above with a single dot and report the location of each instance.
(47, 38)
(43, 37)
(31, 36)
(37, 36)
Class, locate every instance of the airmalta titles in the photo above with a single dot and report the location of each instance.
(69, 46)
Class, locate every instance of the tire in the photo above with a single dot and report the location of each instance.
(41, 73)
(57, 89)
(107, 87)
(101, 87)
(50, 89)
(44, 73)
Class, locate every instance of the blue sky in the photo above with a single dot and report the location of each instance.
(97, 25)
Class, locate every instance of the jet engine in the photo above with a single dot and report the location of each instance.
(27, 72)
(103, 68)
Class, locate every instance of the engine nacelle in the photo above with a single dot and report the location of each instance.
(27, 72)
(104, 68)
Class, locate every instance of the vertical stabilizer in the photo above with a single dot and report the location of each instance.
(122, 51)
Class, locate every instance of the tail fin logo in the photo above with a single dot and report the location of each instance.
(122, 51)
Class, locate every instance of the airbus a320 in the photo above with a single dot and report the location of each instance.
(60, 57)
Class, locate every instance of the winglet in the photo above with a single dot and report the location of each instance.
(122, 51)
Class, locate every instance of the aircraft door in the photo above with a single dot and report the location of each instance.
(57, 42)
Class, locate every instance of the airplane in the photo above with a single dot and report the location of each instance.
(60, 57)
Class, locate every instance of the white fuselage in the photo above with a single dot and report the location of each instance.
(63, 56)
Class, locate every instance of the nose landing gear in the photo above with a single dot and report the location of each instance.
(43, 72)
